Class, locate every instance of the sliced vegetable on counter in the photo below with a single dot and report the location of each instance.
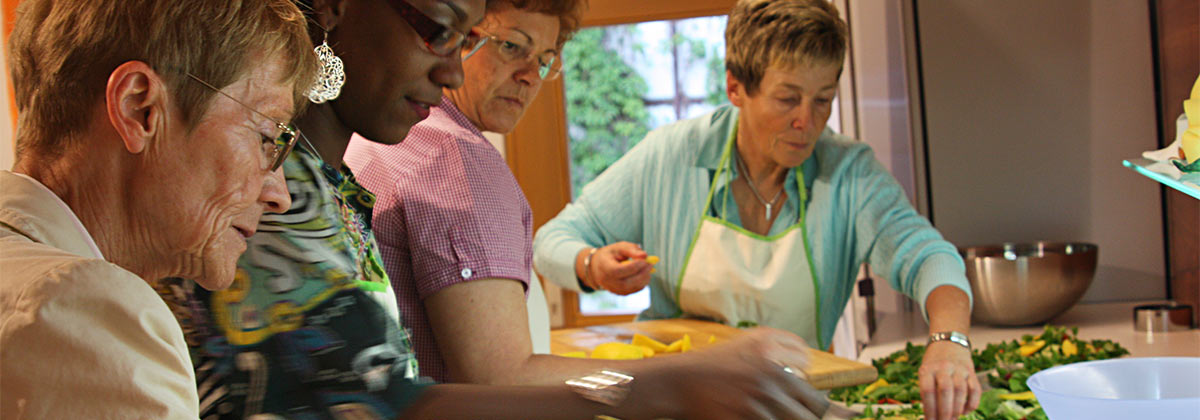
(640, 347)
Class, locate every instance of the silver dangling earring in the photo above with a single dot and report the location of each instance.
(329, 81)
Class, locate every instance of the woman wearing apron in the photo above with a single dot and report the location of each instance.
(761, 215)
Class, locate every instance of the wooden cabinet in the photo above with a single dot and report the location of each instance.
(1177, 61)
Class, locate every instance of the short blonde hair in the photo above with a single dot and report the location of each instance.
(63, 51)
(761, 33)
(568, 12)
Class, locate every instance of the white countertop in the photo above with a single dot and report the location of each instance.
(1113, 321)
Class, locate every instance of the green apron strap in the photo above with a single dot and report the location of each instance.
(712, 187)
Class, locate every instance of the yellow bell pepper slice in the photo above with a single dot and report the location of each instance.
(874, 385)
(575, 354)
(1031, 348)
(1020, 396)
(618, 351)
(1069, 348)
(644, 341)
(681, 345)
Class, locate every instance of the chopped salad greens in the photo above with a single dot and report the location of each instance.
(1007, 365)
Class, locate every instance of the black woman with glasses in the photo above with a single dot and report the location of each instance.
(310, 327)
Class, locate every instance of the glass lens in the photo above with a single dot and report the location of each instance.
(281, 147)
(549, 66)
(446, 42)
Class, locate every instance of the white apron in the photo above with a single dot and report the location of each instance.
(737, 277)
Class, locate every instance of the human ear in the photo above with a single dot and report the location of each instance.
(734, 89)
(136, 103)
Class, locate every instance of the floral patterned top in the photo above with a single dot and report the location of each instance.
(309, 329)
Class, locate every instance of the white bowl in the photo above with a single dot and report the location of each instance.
(1130, 388)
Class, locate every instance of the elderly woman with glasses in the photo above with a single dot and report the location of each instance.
(310, 328)
(148, 146)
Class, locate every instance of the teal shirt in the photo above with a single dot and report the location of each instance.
(655, 195)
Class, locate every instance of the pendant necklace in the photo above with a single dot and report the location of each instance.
(753, 190)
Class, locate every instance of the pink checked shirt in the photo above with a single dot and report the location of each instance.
(448, 210)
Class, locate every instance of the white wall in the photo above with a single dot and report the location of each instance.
(881, 86)
(1030, 107)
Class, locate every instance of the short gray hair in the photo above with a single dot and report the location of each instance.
(761, 33)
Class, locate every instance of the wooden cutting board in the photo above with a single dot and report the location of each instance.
(825, 370)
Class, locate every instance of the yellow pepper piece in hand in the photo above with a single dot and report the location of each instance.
(1020, 396)
(652, 259)
(1069, 348)
(874, 385)
(575, 354)
(1031, 348)
(712, 338)
(618, 351)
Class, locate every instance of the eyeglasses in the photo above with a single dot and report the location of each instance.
(275, 150)
(439, 39)
(549, 67)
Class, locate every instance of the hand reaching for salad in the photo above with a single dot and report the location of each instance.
(949, 387)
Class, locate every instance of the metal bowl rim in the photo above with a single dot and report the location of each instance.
(1048, 247)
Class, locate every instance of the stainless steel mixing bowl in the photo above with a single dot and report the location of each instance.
(1024, 284)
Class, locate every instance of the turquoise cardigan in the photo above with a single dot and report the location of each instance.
(655, 194)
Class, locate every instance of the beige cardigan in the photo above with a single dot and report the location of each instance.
(80, 338)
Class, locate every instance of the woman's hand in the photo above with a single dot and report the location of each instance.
(741, 379)
(619, 268)
(949, 386)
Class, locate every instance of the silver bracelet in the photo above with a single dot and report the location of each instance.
(587, 270)
(951, 336)
(605, 387)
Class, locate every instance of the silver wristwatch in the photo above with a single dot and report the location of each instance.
(605, 387)
(952, 336)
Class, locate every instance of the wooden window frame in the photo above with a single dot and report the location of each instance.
(537, 150)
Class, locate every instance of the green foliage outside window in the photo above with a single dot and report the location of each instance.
(606, 112)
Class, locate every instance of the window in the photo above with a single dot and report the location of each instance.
(622, 81)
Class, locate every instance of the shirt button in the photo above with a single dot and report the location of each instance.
(466, 273)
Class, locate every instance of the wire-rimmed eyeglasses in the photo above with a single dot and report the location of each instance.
(275, 149)
(549, 66)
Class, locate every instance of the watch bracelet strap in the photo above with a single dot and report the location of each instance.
(605, 386)
(951, 336)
